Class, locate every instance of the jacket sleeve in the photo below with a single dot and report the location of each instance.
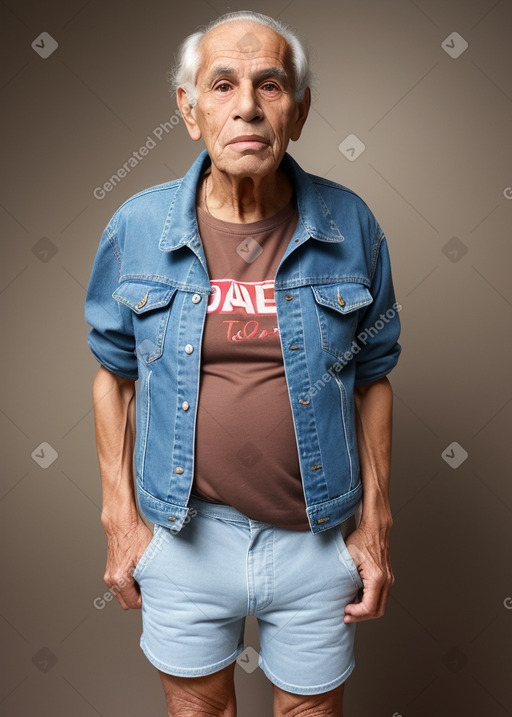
(111, 338)
(379, 324)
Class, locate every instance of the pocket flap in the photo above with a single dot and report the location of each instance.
(344, 297)
(142, 296)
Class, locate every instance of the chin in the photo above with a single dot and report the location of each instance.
(249, 163)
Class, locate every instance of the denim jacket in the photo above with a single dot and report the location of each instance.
(337, 317)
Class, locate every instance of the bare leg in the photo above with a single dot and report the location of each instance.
(209, 696)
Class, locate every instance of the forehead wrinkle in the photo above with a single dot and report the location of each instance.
(212, 47)
(208, 57)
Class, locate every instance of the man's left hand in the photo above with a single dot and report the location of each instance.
(369, 547)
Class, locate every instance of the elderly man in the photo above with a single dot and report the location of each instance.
(254, 304)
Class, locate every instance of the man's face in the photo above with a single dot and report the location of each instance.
(245, 111)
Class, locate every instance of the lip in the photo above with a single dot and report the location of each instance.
(251, 140)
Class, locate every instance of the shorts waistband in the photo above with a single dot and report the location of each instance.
(219, 510)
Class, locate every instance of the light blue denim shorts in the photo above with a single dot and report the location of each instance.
(198, 586)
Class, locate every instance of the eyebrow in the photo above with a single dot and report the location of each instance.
(264, 74)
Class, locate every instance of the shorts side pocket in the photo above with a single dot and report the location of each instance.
(151, 550)
(347, 560)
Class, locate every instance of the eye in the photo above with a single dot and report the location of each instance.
(269, 87)
(223, 87)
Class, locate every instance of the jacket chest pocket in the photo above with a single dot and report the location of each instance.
(150, 303)
(337, 308)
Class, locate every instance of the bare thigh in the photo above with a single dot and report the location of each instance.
(211, 695)
(329, 704)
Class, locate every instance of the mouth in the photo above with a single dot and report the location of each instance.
(249, 141)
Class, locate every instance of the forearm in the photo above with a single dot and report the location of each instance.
(374, 406)
(369, 543)
(114, 415)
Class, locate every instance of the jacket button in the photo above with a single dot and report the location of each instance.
(288, 297)
(185, 405)
(171, 517)
(189, 349)
(179, 470)
(196, 298)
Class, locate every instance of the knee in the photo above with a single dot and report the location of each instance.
(188, 705)
(313, 712)
(197, 708)
(328, 704)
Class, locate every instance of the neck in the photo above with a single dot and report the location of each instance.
(244, 199)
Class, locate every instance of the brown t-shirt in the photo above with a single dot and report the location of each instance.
(246, 453)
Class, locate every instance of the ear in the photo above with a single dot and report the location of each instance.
(187, 112)
(301, 115)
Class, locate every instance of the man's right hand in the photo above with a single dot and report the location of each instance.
(125, 548)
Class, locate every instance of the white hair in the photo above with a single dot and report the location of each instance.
(188, 60)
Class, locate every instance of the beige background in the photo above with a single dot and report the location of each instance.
(437, 165)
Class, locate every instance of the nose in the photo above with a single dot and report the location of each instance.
(247, 105)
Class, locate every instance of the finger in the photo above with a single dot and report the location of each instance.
(384, 595)
(122, 601)
(373, 603)
(368, 608)
(126, 591)
(131, 597)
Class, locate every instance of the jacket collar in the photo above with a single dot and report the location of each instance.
(180, 226)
